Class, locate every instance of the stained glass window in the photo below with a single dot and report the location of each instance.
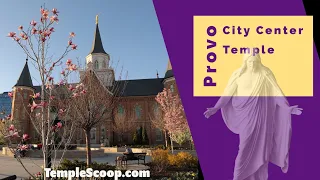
(93, 134)
(103, 132)
(96, 64)
(23, 114)
(159, 135)
(104, 64)
(120, 109)
(172, 88)
(25, 95)
(138, 111)
(156, 108)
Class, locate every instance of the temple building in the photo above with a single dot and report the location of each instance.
(138, 98)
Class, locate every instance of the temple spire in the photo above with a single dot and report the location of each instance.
(25, 77)
(169, 72)
(169, 67)
(97, 46)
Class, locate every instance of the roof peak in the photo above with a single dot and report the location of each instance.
(97, 46)
(25, 77)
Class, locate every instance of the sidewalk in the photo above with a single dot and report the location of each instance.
(10, 166)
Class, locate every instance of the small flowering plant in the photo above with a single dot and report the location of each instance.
(13, 136)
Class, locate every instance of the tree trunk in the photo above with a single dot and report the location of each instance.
(45, 155)
(88, 146)
(171, 144)
(43, 132)
(166, 139)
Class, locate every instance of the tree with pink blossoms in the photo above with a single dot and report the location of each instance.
(47, 107)
(96, 105)
(173, 116)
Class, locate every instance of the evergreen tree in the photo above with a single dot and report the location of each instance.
(145, 139)
(135, 138)
(140, 136)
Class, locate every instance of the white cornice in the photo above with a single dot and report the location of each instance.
(169, 79)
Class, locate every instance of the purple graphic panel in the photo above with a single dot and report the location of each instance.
(216, 145)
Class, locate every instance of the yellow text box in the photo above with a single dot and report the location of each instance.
(291, 60)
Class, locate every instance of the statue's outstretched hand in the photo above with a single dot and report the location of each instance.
(210, 111)
(296, 110)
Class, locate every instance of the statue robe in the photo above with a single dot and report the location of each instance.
(263, 122)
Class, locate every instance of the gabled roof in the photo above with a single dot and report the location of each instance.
(141, 87)
(25, 77)
(137, 87)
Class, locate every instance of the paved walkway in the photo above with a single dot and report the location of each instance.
(10, 166)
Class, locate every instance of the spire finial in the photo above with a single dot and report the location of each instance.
(157, 74)
(97, 19)
(27, 59)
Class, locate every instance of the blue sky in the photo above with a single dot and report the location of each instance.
(130, 33)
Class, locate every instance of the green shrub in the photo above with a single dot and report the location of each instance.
(135, 137)
(145, 138)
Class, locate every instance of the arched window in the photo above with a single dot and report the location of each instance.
(93, 135)
(159, 135)
(120, 109)
(104, 65)
(103, 133)
(96, 64)
(138, 111)
(23, 112)
(25, 95)
(156, 108)
(172, 88)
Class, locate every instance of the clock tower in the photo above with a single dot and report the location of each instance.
(99, 60)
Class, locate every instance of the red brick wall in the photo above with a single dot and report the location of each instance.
(147, 109)
(20, 110)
